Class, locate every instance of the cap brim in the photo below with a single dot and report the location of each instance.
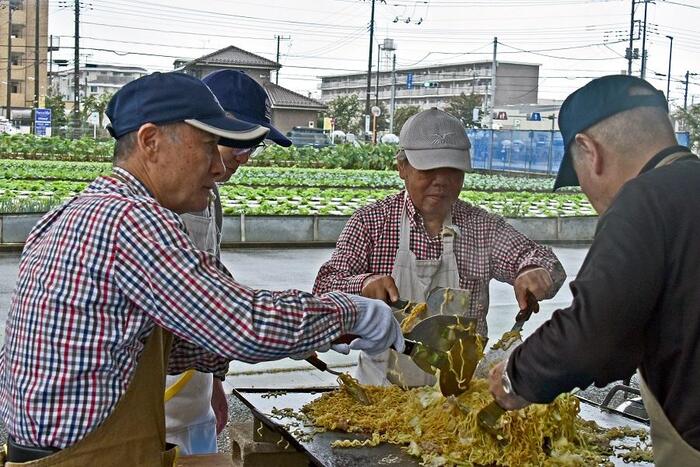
(566, 175)
(229, 128)
(276, 136)
(429, 159)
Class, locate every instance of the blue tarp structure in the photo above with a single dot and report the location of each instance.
(523, 150)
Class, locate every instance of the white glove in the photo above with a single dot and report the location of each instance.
(376, 327)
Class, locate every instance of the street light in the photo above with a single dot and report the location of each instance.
(668, 80)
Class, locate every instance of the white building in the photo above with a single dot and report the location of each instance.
(94, 80)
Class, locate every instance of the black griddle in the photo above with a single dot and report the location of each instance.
(318, 447)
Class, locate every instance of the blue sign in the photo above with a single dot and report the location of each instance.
(409, 80)
(535, 117)
(42, 122)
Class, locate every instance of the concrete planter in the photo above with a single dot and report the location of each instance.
(576, 228)
(277, 229)
(541, 229)
(16, 227)
(329, 227)
(241, 230)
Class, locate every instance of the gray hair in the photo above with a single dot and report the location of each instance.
(401, 155)
(126, 144)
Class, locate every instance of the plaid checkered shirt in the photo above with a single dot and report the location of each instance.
(95, 277)
(486, 248)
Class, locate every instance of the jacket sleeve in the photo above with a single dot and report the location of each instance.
(513, 252)
(348, 266)
(598, 339)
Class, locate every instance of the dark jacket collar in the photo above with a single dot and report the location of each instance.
(661, 155)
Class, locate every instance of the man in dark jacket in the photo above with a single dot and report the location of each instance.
(637, 297)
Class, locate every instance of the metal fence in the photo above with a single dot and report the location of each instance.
(523, 150)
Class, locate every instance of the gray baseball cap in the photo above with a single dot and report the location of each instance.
(434, 139)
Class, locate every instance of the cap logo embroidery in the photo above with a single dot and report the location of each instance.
(439, 138)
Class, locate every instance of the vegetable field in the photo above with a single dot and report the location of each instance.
(38, 185)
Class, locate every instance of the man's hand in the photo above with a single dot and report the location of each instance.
(376, 328)
(508, 401)
(380, 287)
(219, 404)
(536, 280)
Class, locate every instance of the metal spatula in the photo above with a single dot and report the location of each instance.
(350, 384)
(510, 339)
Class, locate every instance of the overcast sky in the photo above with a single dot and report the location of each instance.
(573, 40)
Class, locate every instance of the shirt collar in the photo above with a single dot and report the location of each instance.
(131, 182)
(416, 219)
(661, 155)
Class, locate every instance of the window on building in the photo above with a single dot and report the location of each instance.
(93, 89)
(16, 58)
(17, 4)
(15, 87)
(17, 31)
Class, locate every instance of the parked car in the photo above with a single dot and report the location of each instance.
(6, 126)
(304, 136)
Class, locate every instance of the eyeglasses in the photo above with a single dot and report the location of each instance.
(249, 152)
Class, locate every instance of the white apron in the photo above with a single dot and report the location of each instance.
(190, 421)
(415, 279)
(670, 450)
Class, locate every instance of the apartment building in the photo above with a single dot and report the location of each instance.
(434, 85)
(18, 21)
(94, 80)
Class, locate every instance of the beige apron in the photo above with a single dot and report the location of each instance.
(414, 278)
(134, 433)
(670, 450)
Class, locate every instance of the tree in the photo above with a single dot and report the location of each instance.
(690, 121)
(95, 103)
(462, 107)
(347, 111)
(402, 114)
(57, 105)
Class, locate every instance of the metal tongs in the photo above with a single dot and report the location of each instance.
(488, 417)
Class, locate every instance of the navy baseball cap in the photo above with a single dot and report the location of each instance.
(596, 101)
(174, 97)
(244, 98)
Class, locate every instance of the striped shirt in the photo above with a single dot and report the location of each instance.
(96, 275)
(486, 248)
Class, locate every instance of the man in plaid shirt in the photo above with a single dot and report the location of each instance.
(424, 237)
(108, 270)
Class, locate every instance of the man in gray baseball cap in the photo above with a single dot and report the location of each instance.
(425, 237)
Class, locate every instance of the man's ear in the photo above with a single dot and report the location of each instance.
(148, 139)
(401, 165)
(589, 149)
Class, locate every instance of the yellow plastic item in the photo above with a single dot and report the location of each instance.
(177, 386)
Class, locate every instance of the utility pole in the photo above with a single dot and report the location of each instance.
(629, 53)
(8, 107)
(36, 55)
(493, 78)
(76, 72)
(369, 61)
(393, 94)
(379, 61)
(685, 99)
(643, 73)
(668, 79)
(277, 73)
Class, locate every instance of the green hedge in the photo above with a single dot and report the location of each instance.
(379, 157)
